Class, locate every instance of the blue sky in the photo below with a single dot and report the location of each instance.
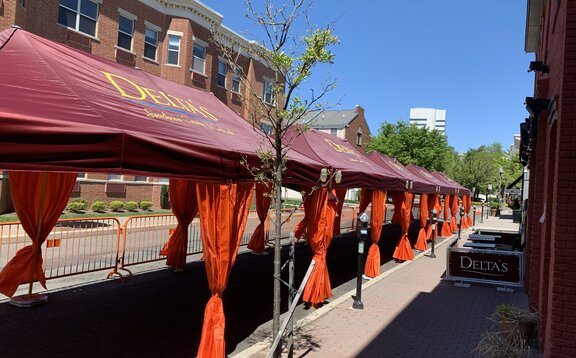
(463, 56)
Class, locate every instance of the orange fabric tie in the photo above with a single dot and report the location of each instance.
(372, 267)
(422, 234)
(263, 200)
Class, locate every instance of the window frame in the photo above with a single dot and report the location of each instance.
(179, 36)
(120, 177)
(236, 78)
(132, 18)
(157, 30)
(204, 46)
(359, 136)
(224, 63)
(267, 81)
(79, 14)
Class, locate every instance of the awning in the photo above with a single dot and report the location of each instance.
(66, 110)
(461, 189)
(443, 187)
(417, 184)
(357, 170)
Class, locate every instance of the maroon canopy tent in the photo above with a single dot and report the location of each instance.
(461, 189)
(417, 184)
(66, 110)
(357, 170)
(443, 187)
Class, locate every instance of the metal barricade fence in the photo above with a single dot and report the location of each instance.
(83, 245)
(73, 246)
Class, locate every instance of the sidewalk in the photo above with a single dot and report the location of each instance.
(408, 312)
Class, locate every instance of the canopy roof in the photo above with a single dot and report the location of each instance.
(461, 189)
(417, 184)
(443, 187)
(357, 170)
(66, 110)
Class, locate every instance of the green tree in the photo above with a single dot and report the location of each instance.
(292, 58)
(413, 145)
(479, 168)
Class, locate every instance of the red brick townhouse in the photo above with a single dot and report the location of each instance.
(548, 147)
(167, 38)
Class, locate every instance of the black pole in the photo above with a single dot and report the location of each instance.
(460, 222)
(474, 215)
(363, 233)
(434, 220)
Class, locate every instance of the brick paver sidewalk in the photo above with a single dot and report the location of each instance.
(409, 312)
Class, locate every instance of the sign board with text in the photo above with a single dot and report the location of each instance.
(487, 266)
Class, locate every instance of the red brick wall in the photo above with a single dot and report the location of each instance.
(551, 246)
(351, 132)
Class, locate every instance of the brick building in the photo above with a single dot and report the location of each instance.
(346, 124)
(548, 147)
(168, 38)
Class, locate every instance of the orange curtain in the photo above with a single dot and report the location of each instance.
(468, 208)
(403, 204)
(421, 243)
(39, 199)
(446, 231)
(301, 227)
(340, 195)
(365, 199)
(372, 267)
(454, 212)
(263, 200)
(185, 207)
(223, 213)
(320, 229)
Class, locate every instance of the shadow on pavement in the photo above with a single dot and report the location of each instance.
(160, 314)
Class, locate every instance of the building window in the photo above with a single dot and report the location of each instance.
(268, 95)
(174, 49)
(222, 70)
(236, 80)
(150, 43)
(140, 178)
(125, 32)
(359, 136)
(164, 181)
(266, 128)
(81, 176)
(22, 3)
(80, 15)
(334, 131)
(199, 60)
(114, 177)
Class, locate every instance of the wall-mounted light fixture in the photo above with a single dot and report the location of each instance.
(538, 66)
(536, 105)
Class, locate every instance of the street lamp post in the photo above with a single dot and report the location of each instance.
(362, 235)
(474, 215)
(434, 221)
(490, 202)
(500, 171)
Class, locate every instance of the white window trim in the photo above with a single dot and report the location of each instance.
(201, 43)
(121, 177)
(127, 14)
(175, 33)
(225, 62)
(95, 36)
(239, 80)
(158, 30)
(267, 79)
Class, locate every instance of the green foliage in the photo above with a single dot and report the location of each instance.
(116, 205)
(412, 145)
(164, 197)
(145, 204)
(131, 205)
(98, 206)
(494, 205)
(77, 205)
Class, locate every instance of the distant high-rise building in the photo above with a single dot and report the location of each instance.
(430, 118)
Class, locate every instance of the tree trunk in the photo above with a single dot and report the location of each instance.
(277, 246)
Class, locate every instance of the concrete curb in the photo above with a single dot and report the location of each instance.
(260, 346)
